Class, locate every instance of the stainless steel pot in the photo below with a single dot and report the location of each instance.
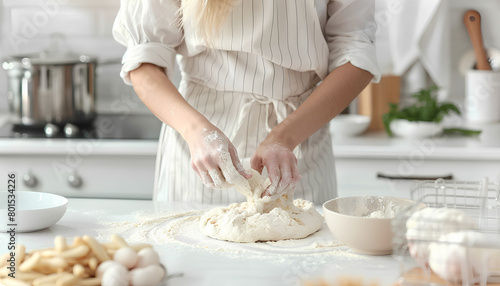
(45, 89)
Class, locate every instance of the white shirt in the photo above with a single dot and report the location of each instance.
(269, 57)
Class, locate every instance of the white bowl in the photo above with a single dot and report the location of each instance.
(348, 218)
(34, 210)
(349, 124)
(415, 129)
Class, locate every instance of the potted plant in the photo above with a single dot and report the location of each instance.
(421, 119)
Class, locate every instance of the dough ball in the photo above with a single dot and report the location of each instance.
(126, 256)
(262, 219)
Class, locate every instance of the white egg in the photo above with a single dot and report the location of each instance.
(147, 256)
(147, 276)
(104, 266)
(126, 256)
(115, 275)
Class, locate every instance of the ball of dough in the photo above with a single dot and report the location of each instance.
(147, 276)
(146, 257)
(115, 275)
(105, 266)
(126, 256)
(262, 219)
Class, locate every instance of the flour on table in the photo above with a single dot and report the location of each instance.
(268, 218)
(180, 230)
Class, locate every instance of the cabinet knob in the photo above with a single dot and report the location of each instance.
(74, 180)
(30, 180)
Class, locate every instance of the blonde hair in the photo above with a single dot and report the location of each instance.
(206, 16)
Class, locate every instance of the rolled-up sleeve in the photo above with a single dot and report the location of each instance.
(150, 32)
(350, 33)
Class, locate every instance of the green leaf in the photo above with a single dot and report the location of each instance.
(462, 131)
(426, 108)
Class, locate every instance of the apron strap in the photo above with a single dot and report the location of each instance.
(280, 108)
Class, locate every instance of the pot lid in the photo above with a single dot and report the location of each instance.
(45, 58)
(56, 52)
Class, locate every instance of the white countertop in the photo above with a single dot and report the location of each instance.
(370, 145)
(451, 147)
(31, 146)
(203, 267)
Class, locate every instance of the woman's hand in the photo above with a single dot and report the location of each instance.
(281, 165)
(215, 159)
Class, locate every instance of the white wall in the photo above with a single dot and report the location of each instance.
(87, 25)
(460, 42)
(25, 26)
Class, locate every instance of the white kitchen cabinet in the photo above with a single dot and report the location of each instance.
(360, 159)
(110, 169)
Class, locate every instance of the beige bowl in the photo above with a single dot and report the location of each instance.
(364, 223)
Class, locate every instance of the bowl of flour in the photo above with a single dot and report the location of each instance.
(363, 223)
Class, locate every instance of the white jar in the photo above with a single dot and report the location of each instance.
(482, 96)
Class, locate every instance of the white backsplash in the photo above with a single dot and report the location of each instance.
(25, 26)
(460, 42)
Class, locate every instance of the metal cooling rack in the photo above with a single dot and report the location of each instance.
(479, 200)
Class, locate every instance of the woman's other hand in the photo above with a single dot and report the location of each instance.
(281, 165)
(215, 159)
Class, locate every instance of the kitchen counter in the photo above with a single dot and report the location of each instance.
(370, 145)
(85, 147)
(379, 145)
(365, 163)
(113, 158)
(201, 266)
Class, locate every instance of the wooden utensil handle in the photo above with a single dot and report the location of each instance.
(472, 21)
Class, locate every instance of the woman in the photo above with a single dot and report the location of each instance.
(250, 74)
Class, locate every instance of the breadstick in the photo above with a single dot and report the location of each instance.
(76, 252)
(93, 263)
(110, 245)
(47, 253)
(13, 282)
(30, 263)
(140, 246)
(3, 259)
(60, 244)
(98, 250)
(20, 253)
(47, 284)
(119, 241)
(4, 272)
(67, 280)
(51, 278)
(111, 252)
(77, 240)
(28, 276)
(79, 271)
(94, 281)
(54, 263)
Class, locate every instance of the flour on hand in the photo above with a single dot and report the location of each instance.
(268, 218)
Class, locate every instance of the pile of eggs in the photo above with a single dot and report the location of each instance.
(129, 267)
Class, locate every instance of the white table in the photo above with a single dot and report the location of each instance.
(86, 216)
